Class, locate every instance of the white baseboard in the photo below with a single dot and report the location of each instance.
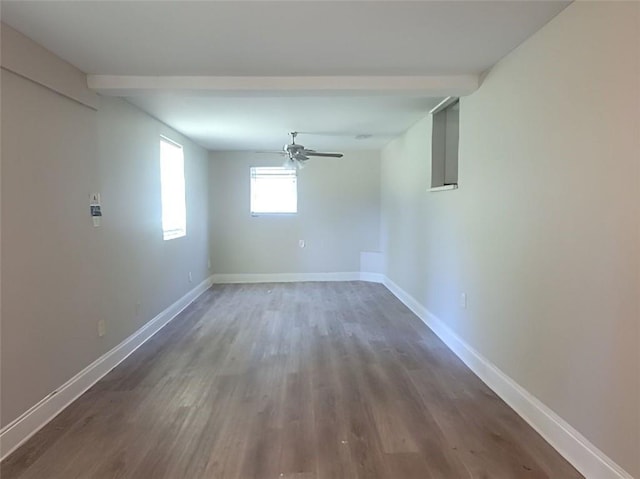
(294, 277)
(372, 277)
(14, 434)
(573, 446)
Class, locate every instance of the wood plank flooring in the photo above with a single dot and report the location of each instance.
(293, 380)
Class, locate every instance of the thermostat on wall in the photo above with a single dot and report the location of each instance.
(95, 208)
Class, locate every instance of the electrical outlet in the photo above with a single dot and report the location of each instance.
(190, 277)
(102, 328)
(209, 263)
(463, 300)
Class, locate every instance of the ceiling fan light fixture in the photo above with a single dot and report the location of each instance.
(297, 155)
(289, 164)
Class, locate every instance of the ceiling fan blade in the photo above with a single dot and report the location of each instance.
(325, 155)
(271, 152)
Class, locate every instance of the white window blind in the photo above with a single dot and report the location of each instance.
(273, 191)
(174, 211)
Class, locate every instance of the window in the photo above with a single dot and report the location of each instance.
(273, 190)
(174, 211)
(444, 144)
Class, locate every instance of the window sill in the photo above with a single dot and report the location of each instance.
(274, 214)
(442, 188)
(171, 235)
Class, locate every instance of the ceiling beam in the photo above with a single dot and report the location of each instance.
(434, 86)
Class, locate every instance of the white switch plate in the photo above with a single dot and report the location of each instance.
(463, 300)
(301, 243)
(190, 277)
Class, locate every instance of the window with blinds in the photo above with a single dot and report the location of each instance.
(273, 191)
(174, 209)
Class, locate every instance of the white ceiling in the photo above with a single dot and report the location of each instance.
(285, 39)
(279, 38)
(256, 123)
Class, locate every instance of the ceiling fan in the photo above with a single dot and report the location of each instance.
(297, 154)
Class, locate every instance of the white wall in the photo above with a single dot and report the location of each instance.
(544, 233)
(28, 59)
(60, 275)
(338, 216)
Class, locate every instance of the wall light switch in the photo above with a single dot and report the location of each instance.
(301, 243)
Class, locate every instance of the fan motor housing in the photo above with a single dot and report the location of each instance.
(293, 148)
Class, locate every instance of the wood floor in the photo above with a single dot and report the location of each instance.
(295, 380)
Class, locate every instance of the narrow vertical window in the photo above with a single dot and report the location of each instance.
(273, 191)
(444, 143)
(174, 211)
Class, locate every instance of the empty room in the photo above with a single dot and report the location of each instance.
(314, 239)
